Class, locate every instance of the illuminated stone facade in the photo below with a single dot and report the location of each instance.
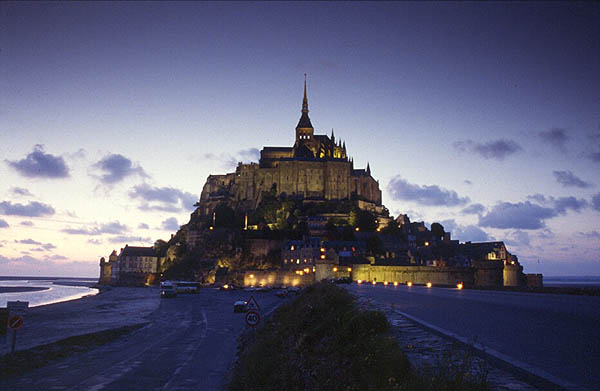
(316, 167)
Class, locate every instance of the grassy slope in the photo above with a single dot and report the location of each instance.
(321, 341)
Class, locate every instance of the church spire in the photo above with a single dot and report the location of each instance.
(305, 100)
(368, 169)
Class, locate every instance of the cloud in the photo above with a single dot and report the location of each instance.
(170, 224)
(28, 241)
(590, 235)
(40, 165)
(50, 265)
(595, 156)
(94, 241)
(568, 179)
(596, 202)
(143, 226)
(522, 215)
(165, 199)
(424, 195)
(498, 149)
(27, 223)
(3, 224)
(518, 238)
(470, 233)
(129, 239)
(230, 161)
(556, 137)
(32, 209)
(563, 204)
(467, 182)
(20, 191)
(116, 167)
(113, 227)
(560, 205)
(473, 209)
(449, 225)
(44, 247)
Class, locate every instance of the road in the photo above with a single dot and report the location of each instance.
(556, 335)
(190, 343)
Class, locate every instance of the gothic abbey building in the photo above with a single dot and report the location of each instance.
(315, 168)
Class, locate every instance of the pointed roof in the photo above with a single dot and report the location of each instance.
(304, 120)
(368, 169)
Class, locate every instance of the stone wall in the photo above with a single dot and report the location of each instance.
(416, 274)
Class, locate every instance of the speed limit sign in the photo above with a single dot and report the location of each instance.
(252, 318)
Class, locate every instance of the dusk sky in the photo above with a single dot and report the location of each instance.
(482, 116)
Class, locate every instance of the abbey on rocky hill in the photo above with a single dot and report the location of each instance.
(315, 168)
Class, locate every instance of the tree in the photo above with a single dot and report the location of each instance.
(161, 246)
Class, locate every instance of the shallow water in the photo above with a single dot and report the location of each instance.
(55, 290)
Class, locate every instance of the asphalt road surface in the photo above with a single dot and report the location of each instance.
(190, 343)
(556, 335)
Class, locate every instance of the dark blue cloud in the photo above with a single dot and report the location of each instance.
(498, 149)
(32, 209)
(3, 224)
(164, 199)
(19, 191)
(596, 202)
(432, 195)
(116, 167)
(556, 137)
(40, 165)
(113, 227)
(522, 215)
(563, 204)
(568, 179)
(170, 224)
(143, 226)
(27, 223)
(470, 233)
(473, 209)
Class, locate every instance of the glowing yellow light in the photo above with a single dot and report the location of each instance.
(292, 248)
(395, 283)
(307, 270)
(300, 272)
(374, 282)
(251, 275)
(211, 228)
(335, 269)
(429, 285)
(359, 281)
(385, 283)
(409, 283)
(322, 249)
(459, 285)
(226, 286)
(349, 269)
(357, 229)
(426, 244)
(512, 262)
(378, 229)
(322, 256)
(314, 269)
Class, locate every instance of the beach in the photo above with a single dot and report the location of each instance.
(113, 307)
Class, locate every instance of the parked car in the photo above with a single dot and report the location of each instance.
(239, 306)
(167, 289)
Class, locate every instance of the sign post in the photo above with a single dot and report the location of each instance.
(15, 322)
(3, 324)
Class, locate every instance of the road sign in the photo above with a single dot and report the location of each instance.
(252, 304)
(17, 307)
(252, 318)
(15, 322)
